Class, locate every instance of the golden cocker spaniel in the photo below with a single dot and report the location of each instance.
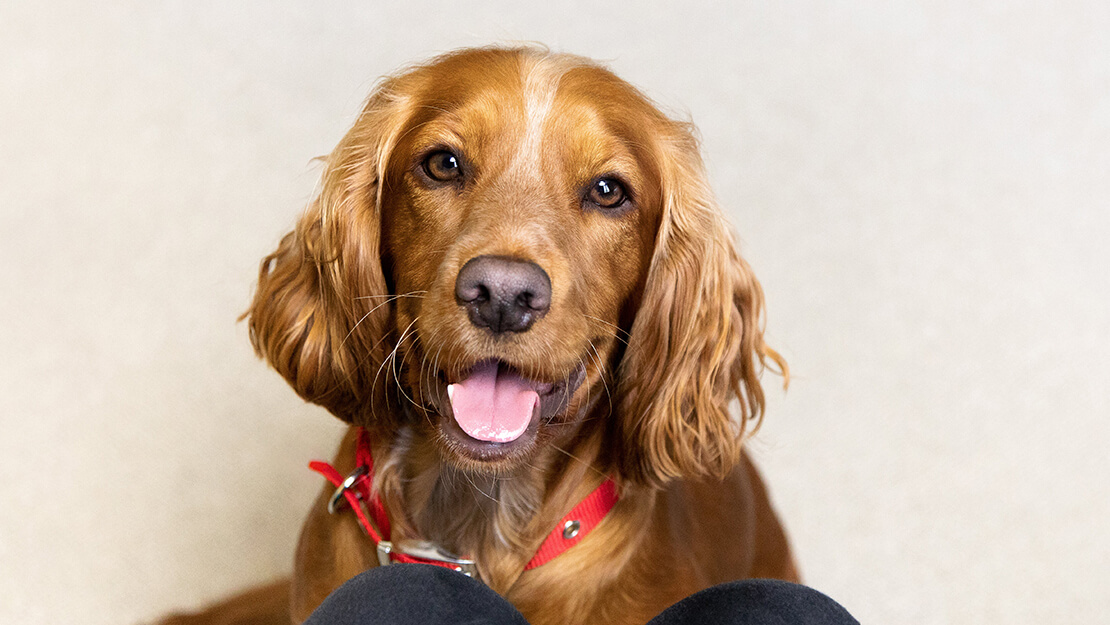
(516, 286)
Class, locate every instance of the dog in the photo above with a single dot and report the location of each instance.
(516, 286)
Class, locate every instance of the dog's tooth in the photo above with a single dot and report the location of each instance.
(451, 392)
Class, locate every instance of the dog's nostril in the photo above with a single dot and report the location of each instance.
(471, 292)
(503, 294)
(539, 301)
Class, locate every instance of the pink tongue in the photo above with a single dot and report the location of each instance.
(493, 404)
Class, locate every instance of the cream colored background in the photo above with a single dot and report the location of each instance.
(921, 186)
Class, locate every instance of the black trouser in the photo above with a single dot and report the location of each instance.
(401, 594)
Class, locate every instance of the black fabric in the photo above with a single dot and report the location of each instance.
(411, 594)
(403, 594)
(756, 602)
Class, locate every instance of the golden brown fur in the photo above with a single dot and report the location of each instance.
(356, 309)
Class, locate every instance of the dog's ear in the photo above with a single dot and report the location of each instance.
(697, 339)
(322, 306)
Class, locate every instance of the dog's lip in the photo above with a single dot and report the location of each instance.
(486, 451)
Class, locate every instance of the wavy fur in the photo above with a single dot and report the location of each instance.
(654, 329)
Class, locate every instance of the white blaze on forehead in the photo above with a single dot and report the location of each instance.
(541, 82)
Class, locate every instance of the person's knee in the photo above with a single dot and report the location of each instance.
(413, 593)
(757, 602)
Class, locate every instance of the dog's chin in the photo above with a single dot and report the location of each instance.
(467, 453)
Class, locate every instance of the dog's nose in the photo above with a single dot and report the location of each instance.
(503, 294)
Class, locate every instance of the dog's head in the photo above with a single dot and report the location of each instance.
(512, 248)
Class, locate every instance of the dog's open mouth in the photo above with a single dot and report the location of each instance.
(493, 405)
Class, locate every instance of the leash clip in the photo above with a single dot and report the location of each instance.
(425, 550)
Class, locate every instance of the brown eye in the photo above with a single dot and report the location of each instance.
(607, 193)
(442, 166)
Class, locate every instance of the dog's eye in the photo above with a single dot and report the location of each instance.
(607, 193)
(442, 166)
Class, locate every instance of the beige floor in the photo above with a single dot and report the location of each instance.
(922, 187)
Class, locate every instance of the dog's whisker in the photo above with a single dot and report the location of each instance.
(474, 487)
(617, 330)
(389, 299)
(434, 369)
(419, 379)
(602, 375)
(392, 356)
(580, 461)
(413, 294)
(396, 373)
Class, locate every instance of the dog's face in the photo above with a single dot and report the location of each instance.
(518, 222)
(508, 244)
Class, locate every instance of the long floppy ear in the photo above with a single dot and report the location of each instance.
(697, 340)
(321, 310)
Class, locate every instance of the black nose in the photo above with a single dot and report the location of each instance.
(503, 294)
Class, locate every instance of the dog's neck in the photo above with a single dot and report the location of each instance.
(499, 521)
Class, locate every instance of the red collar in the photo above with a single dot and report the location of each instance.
(356, 490)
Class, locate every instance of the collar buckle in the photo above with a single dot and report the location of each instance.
(348, 483)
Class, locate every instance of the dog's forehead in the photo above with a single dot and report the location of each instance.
(486, 95)
(525, 80)
(528, 108)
